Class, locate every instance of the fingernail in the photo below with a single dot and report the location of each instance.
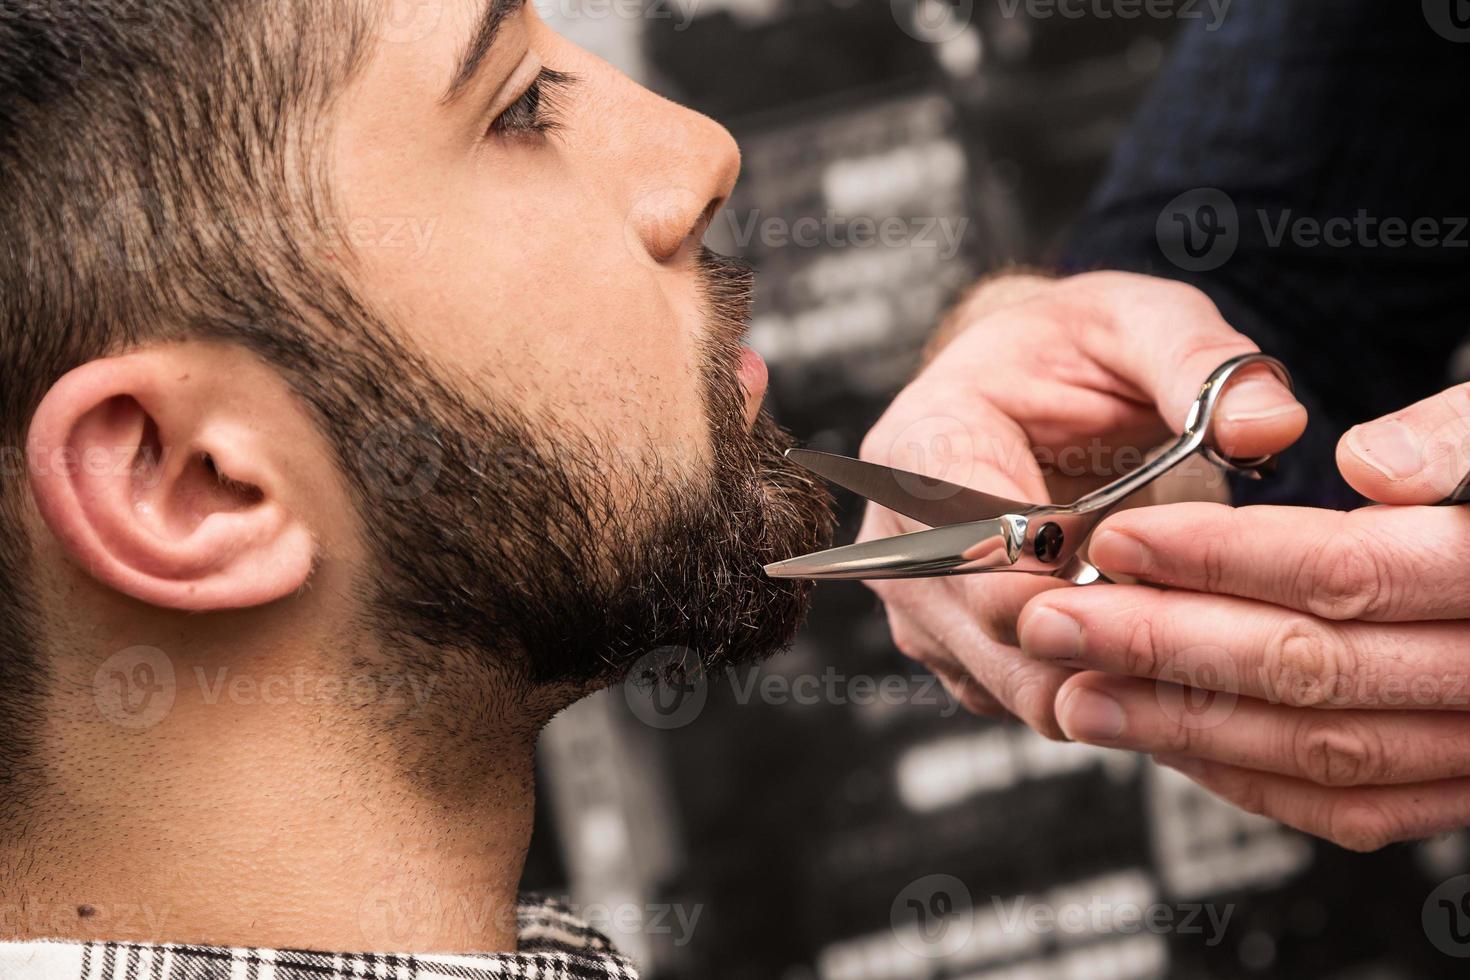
(1117, 551)
(1091, 716)
(1050, 634)
(1390, 447)
(1181, 764)
(1257, 399)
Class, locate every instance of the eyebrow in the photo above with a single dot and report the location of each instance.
(495, 13)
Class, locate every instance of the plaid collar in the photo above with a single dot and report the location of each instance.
(553, 945)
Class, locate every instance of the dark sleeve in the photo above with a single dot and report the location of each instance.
(1350, 118)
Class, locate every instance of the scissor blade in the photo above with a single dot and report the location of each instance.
(925, 499)
(951, 550)
(1460, 496)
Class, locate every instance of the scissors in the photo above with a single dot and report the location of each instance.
(973, 532)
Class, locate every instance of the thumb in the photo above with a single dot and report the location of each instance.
(1165, 339)
(1420, 455)
(1257, 415)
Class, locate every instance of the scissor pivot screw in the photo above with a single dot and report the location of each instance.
(1049, 541)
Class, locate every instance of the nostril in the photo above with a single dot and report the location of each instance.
(710, 210)
(705, 221)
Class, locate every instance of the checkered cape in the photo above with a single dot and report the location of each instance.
(553, 945)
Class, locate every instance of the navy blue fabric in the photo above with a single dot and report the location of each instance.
(1311, 109)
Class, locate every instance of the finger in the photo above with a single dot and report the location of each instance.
(1253, 649)
(1333, 748)
(913, 641)
(999, 600)
(935, 624)
(1359, 818)
(968, 692)
(1026, 688)
(951, 610)
(1420, 455)
(1380, 564)
(1165, 339)
(963, 629)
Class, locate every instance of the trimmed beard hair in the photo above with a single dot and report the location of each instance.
(552, 561)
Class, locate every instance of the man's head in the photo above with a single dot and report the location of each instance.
(372, 330)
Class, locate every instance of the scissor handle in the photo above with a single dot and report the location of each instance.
(1044, 540)
(1202, 413)
(1197, 429)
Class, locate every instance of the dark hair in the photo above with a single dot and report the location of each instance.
(159, 171)
(535, 561)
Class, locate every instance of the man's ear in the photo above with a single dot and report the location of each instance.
(150, 472)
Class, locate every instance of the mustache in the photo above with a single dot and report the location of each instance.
(727, 285)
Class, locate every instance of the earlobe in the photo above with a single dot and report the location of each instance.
(159, 486)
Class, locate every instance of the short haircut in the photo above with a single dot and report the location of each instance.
(161, 181)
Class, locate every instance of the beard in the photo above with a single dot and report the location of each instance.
(552, 560)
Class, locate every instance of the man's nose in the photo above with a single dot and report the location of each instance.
(688, 169)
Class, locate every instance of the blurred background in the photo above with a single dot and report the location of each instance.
(833, 815)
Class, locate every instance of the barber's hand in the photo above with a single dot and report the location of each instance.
(1071, 372)
(1340, 642)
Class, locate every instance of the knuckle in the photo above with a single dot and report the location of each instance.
(1201, 559)
(1031, 694)
(1304, 664)
(1183, 740)
(1130, 287)
(1212, 562)
(1145, 658)
(1338, 751)
(1363, 826)
(1344, 580)
(909, 641)
(1102, 282)
(1188, 298)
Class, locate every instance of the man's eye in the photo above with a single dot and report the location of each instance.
(539, 108)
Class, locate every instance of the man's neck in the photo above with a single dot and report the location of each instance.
(266, 818)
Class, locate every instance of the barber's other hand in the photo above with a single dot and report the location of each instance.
(1082, 374)
(1338, 644)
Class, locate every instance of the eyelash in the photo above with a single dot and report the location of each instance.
(539, 109)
